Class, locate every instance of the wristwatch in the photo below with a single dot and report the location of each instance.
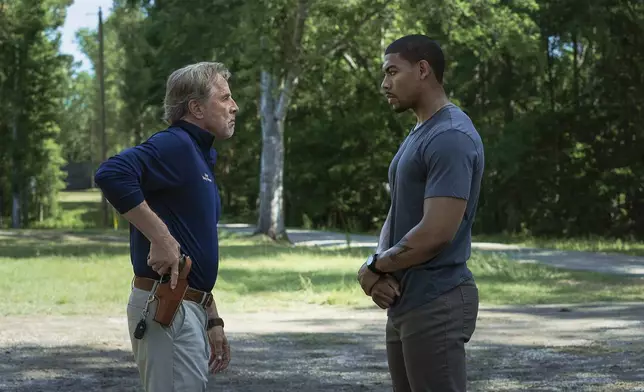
(371, 264)
(214, 322)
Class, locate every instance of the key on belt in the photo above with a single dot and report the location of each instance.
(142, 325)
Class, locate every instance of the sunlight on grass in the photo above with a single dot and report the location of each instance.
(55, 272)
(591, 244)
(79, 210)
(90, 195)
(503, 281)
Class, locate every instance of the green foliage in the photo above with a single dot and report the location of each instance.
(555, 89)
(32, 78)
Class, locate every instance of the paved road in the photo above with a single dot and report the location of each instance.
(589, 261)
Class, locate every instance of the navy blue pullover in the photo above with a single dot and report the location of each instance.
(173, 172)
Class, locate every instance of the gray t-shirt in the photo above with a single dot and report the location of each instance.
(442, 157)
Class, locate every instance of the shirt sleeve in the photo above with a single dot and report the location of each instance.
(153, 165)
(450, 160)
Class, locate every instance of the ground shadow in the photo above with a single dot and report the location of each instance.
(68, 368)
(316, 362)
(267, 362)
(17, 249)
(609, 311)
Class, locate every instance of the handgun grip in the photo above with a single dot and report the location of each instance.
(169, 300)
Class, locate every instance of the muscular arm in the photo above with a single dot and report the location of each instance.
(450, 159)
(383, 240)
(441, 219)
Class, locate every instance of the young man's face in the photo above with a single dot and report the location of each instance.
(220, 110)
(401, 84)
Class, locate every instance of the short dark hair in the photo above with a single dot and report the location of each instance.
(417, 47)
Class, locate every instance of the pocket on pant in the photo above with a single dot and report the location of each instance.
(178, 321)
(470, 295)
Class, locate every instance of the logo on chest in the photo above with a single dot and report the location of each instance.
(206, 177)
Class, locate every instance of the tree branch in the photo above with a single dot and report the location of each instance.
(341, 41)
(293, 60)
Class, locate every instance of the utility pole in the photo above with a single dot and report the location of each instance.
(101, 78)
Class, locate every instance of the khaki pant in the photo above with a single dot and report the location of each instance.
(170, 359)
(426, 346)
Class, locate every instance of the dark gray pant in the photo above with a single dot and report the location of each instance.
(426, 346)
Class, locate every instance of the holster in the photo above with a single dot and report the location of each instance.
(168, 300)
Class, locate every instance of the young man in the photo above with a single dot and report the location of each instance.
(165, 188)
(419, 272)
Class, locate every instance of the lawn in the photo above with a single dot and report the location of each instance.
(590, 244)
(88, 272)
(81, 210)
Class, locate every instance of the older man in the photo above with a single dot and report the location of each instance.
(165, 187)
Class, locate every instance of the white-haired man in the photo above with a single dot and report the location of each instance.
(165, 187)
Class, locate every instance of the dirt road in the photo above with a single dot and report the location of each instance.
(583, 348)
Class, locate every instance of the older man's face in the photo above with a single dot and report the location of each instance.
(220, 110)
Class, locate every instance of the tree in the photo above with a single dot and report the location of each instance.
(277, 84)
(279, 78)
(31, 101)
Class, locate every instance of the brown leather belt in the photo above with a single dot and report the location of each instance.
(201, 297)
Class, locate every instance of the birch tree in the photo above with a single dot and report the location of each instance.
(277, 85)
(276, 92)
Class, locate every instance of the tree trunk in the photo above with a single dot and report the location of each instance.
(575, 70)
(508, 91)
(15, 186)
(551, 77)
(15, 205)
(271, 203)
(273, 109)
(138, 133)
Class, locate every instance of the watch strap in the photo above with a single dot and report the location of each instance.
(372, 265)
(214, 322)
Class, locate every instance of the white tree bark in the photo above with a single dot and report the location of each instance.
(271, 215)
(15, 197)
(274, 105)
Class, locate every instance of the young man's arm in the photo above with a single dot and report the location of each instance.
(123, 178)
(383, 241)
(386, 289)
(441, 219)
(451, 161)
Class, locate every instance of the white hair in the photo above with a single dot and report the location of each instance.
(193, 81)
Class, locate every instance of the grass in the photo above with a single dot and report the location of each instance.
(76, 268)
(81, 210)
(88, 272)
(589, 244)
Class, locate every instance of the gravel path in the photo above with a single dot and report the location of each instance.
(314, 349)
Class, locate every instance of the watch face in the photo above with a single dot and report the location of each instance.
(370, 260)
